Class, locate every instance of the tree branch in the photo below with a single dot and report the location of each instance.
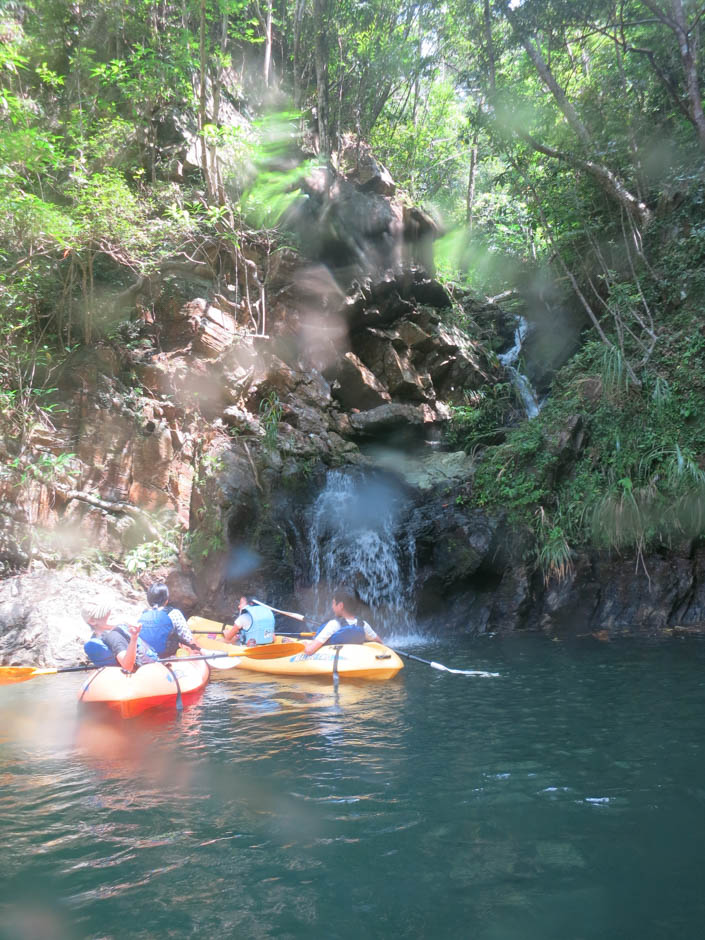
(609, 181)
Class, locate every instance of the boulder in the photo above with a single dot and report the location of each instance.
(216, 332)
(423, 472)
(305, 418)
(391, 417)
(370, 345)
(413, 336)
(454, 366)
(403, 380)
(356, 386)
(420, 232)
(356, 162)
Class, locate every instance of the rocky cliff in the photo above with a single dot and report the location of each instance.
(191, 442)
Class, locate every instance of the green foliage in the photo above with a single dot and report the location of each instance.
(269, 189)
(206, 535)
(44, 466)
(155, 552)
(206, 539)
(639, 481)
(554, 554)
(481, 419)
(615, 377)
(270, 412)
(428, 157)
(208, 467)
(110, 214)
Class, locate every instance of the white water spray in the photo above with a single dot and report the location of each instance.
(520, 381)
(357, 539)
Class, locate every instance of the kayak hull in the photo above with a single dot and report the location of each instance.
(153, 685)
(372, 661)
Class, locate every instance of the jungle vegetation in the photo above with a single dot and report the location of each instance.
(561, 142)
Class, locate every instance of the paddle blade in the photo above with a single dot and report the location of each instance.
(223, 662)
(11, 674)
(465, 672)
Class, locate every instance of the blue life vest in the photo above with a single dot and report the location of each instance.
(157, 630)
(100, 653)
(261, 630)
(347, 633)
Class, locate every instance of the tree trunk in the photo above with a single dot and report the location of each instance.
(202, 116)
(610, 183)
(298, 71)
(549, 80)
(216, 177)
(490, 47)
(268, 46)
(472, 176)
(322, 91)
(687, 47)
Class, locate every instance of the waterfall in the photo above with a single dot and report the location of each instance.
(520, 381)
(358, 538)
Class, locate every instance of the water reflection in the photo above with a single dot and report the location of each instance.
(118, 749)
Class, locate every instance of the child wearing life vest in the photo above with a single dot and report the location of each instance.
(345, 626)
(165, 627)
(114, 644)
(253, 626)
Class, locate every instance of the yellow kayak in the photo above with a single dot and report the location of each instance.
(351, 660)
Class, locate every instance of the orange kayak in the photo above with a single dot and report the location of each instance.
(154, 685)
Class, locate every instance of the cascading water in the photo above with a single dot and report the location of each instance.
(520, 381)
(358, 538)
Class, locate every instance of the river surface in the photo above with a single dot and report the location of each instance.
(564, 799)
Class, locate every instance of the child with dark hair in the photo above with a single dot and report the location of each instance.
(345, 627)
(164, 627)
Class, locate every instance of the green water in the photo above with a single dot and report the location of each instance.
(565, 799)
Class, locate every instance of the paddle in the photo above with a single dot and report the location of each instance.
(11, 674)
(459, 672)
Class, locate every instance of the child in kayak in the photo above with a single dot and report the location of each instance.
(114, 644)
(253, 626)
(345, 627)
(164, 627)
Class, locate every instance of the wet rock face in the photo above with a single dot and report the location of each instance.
(472, 580)
(204, 425)
(610, 595)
